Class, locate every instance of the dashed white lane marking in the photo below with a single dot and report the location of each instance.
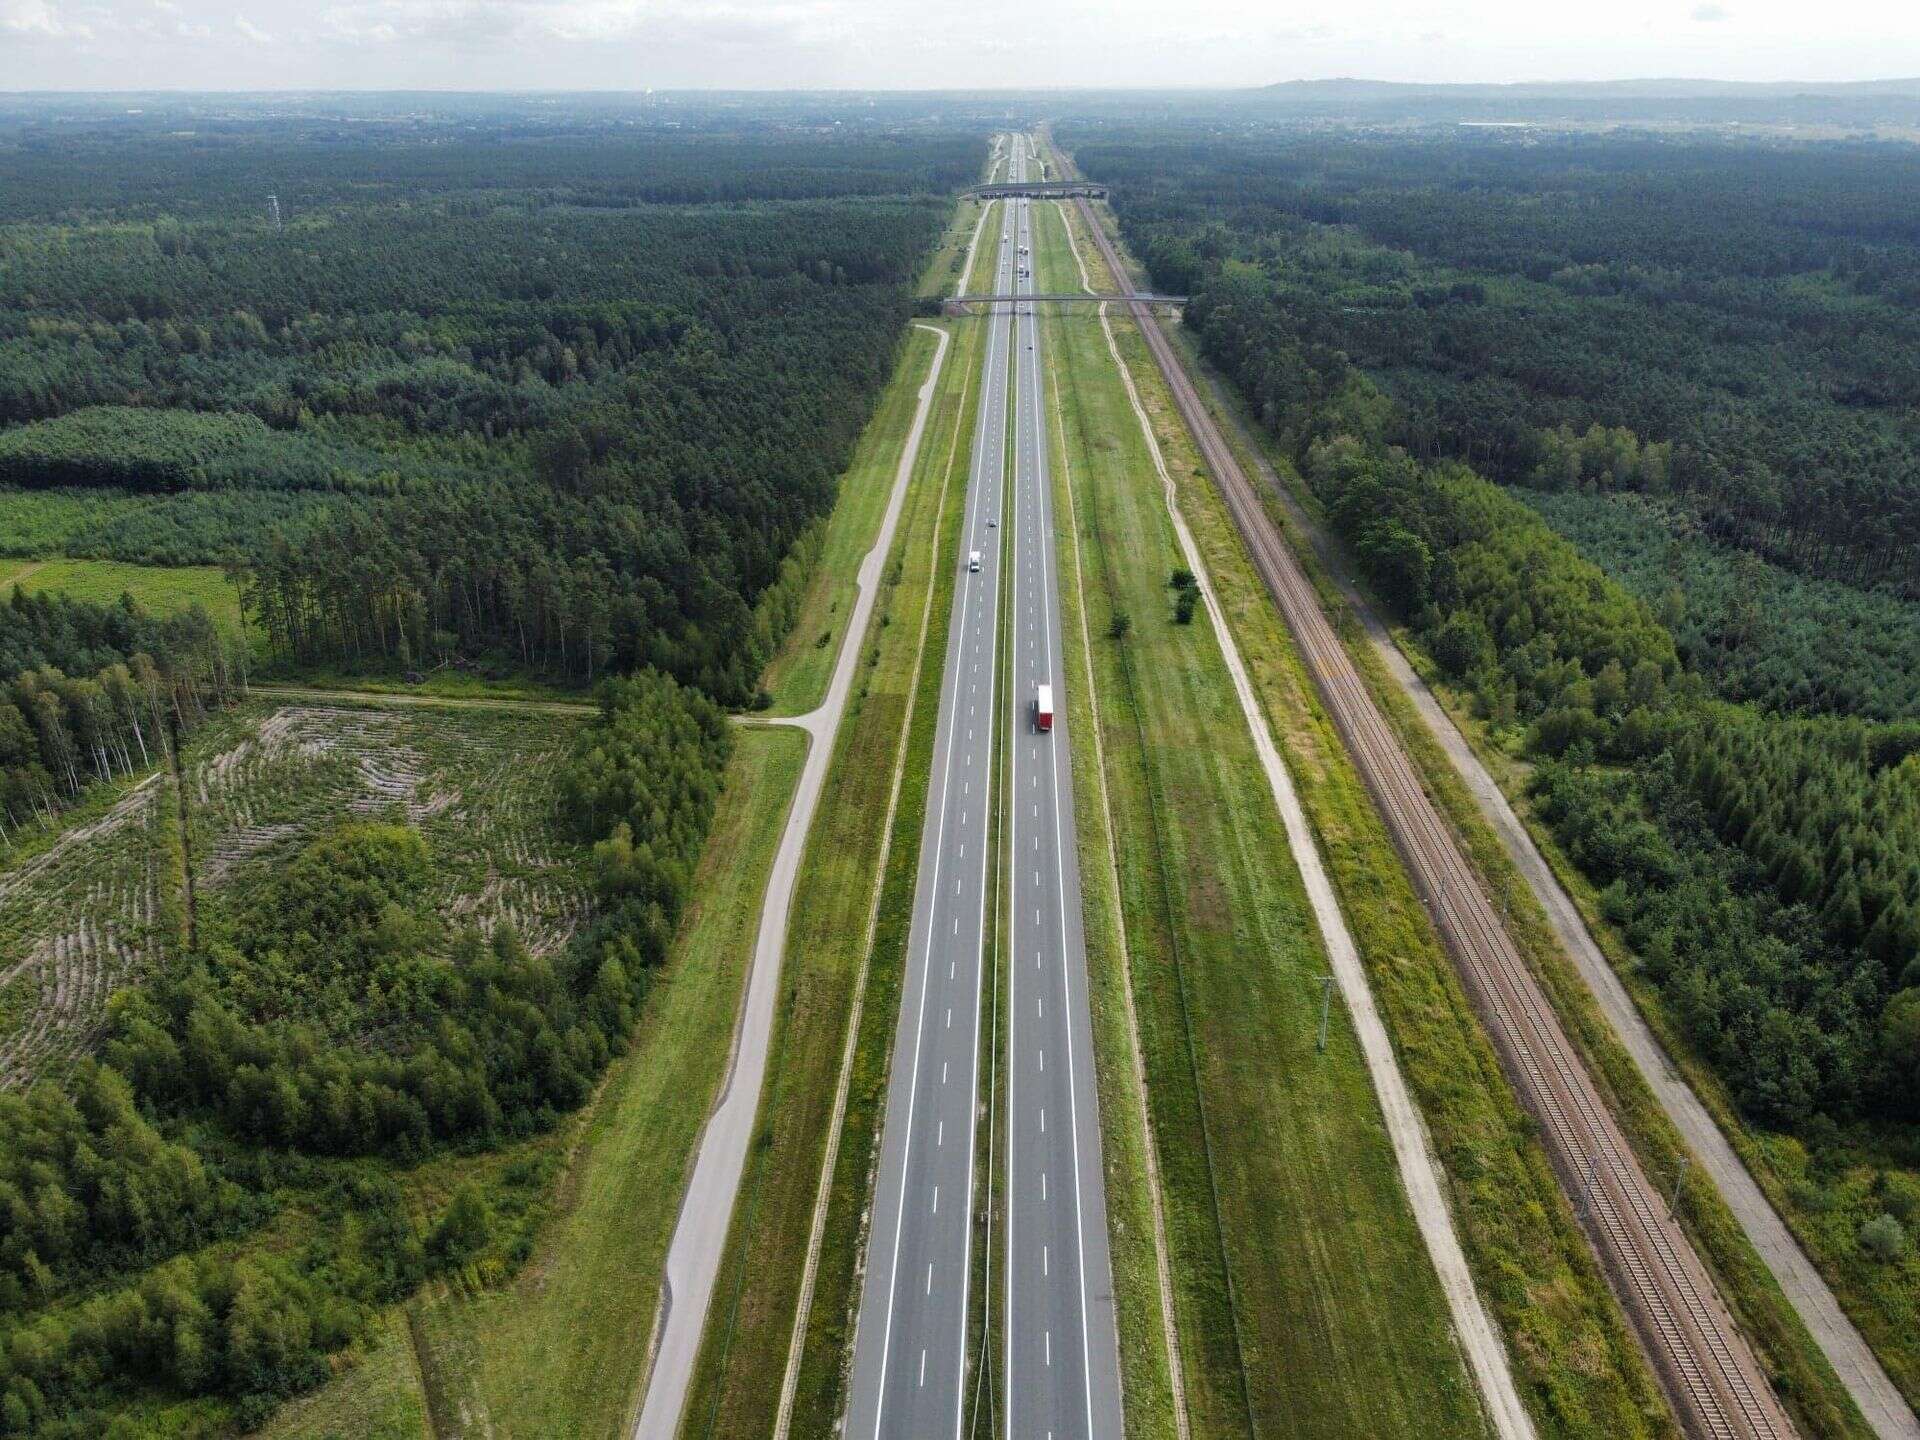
(1045, 1267)
(949, 1017)
(929, 1277)
(1049, 1338)
(1043, 1119)
(923, 1368)
(941, 1137)
(936, 1199)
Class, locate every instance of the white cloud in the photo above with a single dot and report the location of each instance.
(472, 23)
(1710, 12)
(252, 31)
(38, 18)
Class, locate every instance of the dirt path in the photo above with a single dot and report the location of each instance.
(344, 696)
(706, 1210)
(14, 577)
(1846, 1349)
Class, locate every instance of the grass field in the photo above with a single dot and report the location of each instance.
(1305, 1306)
(797, 677)
(163, 589)
(942, 274)
(383, 1400)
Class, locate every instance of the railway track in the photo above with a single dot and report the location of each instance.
(1703, 1361)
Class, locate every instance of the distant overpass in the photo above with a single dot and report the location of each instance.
(1037, 190)
(1071, 297)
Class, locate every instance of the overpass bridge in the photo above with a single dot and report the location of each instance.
(1036, 190)
(1073, 297)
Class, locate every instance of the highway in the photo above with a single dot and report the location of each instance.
(1060, 1369)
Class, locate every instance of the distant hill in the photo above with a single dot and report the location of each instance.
(1348, 89)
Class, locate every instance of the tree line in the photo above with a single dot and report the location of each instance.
(558, 426)
(94, 694)
(1748, 314)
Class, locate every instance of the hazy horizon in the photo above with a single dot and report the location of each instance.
(634, 45)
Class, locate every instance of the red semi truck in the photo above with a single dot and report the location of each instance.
(1043, 708)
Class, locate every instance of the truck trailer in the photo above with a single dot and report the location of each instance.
(1043, 709)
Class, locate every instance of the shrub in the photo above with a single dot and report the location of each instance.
(1884, 1238)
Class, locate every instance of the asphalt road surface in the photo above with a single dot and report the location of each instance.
(1061, 1367)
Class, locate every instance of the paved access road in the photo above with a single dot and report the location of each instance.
(1061, 1370)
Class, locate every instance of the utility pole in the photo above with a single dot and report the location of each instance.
(1326, 1003)
(1679, 1179)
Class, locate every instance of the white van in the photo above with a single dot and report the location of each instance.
(973, 560)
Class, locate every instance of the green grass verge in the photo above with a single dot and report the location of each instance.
(1795, 1364)
(736, 1386)
(942, 275)
(797, 677)
(1305, 1298)
(383, 1402)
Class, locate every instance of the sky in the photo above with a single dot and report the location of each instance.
(931, 44)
